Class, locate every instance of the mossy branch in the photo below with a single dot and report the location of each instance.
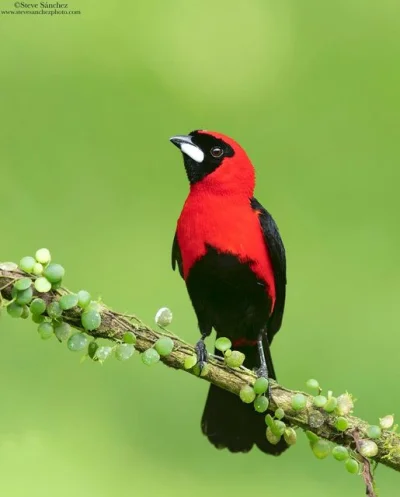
(114, 325)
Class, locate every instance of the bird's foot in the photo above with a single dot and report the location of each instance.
(202, 355)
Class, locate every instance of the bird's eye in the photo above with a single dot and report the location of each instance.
(216, 152)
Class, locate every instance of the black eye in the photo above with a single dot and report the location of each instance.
(216, 152)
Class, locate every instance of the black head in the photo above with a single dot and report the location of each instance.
(202, 153)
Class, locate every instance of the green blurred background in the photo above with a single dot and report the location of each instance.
(311, 90)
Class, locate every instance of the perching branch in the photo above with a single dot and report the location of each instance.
(366, 472)
(114, 325)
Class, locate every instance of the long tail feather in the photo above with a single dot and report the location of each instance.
(229, 423)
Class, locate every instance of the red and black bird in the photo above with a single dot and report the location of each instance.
(231, 256)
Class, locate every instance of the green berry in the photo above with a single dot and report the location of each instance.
(54, 310)
(235, 360)
(321, 448)
(84, 299)
(14, 292)
(260, 385)
(24, 297)
(271, 437)
(374, 431)
(190, 362)
(93, 306)
(69, 301)
(320, 401)
(269, 421)
(261, 404)
(340, 453)
(92, 348)
(196, 370)
(312, 437)
(22, 284)
(278, 428)
(386, 422)
(129, 337)
(91, 320)
(164, 346)
(352, 466)
(15, 310)
(150, 357)
(8, 266)
(345, 404)
(290, 436)
(163, 317)
(42, 285)
(45, 330)
(331, 404)
(37, 269)
(77, 342)
(279, 413)
(247, 394)
(62, 331)
(38, 306)
(27, 263)
(43, 256)
(205, 369)
(103, 353)
(54, 273)
(341, 424)
(223, 344)
(124, 351)
(25, 312)
(298, 401)
(37, 318)
(313, 384)
(368, 448)
(200, 372)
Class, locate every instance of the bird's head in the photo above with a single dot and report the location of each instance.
(215, 162)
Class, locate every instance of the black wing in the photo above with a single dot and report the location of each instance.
(176, 256)
(276, 250)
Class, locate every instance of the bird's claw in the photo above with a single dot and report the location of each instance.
(261, 372)
(202, 355)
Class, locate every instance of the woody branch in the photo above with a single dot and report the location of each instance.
(114, 325)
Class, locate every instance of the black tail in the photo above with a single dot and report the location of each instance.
(229, 423)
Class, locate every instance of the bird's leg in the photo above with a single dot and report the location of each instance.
(262, 371)
(201, 351)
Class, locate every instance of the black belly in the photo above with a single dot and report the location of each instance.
(228, 296)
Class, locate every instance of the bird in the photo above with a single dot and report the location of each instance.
(229, 251)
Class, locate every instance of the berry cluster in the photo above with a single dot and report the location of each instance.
(161, 348)
(339, 408)
(276, 428)
(29, 298)
(321, 407)
(232, 358)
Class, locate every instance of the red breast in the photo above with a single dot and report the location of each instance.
(227, 223)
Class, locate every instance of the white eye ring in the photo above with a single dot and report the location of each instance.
(217, 152)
